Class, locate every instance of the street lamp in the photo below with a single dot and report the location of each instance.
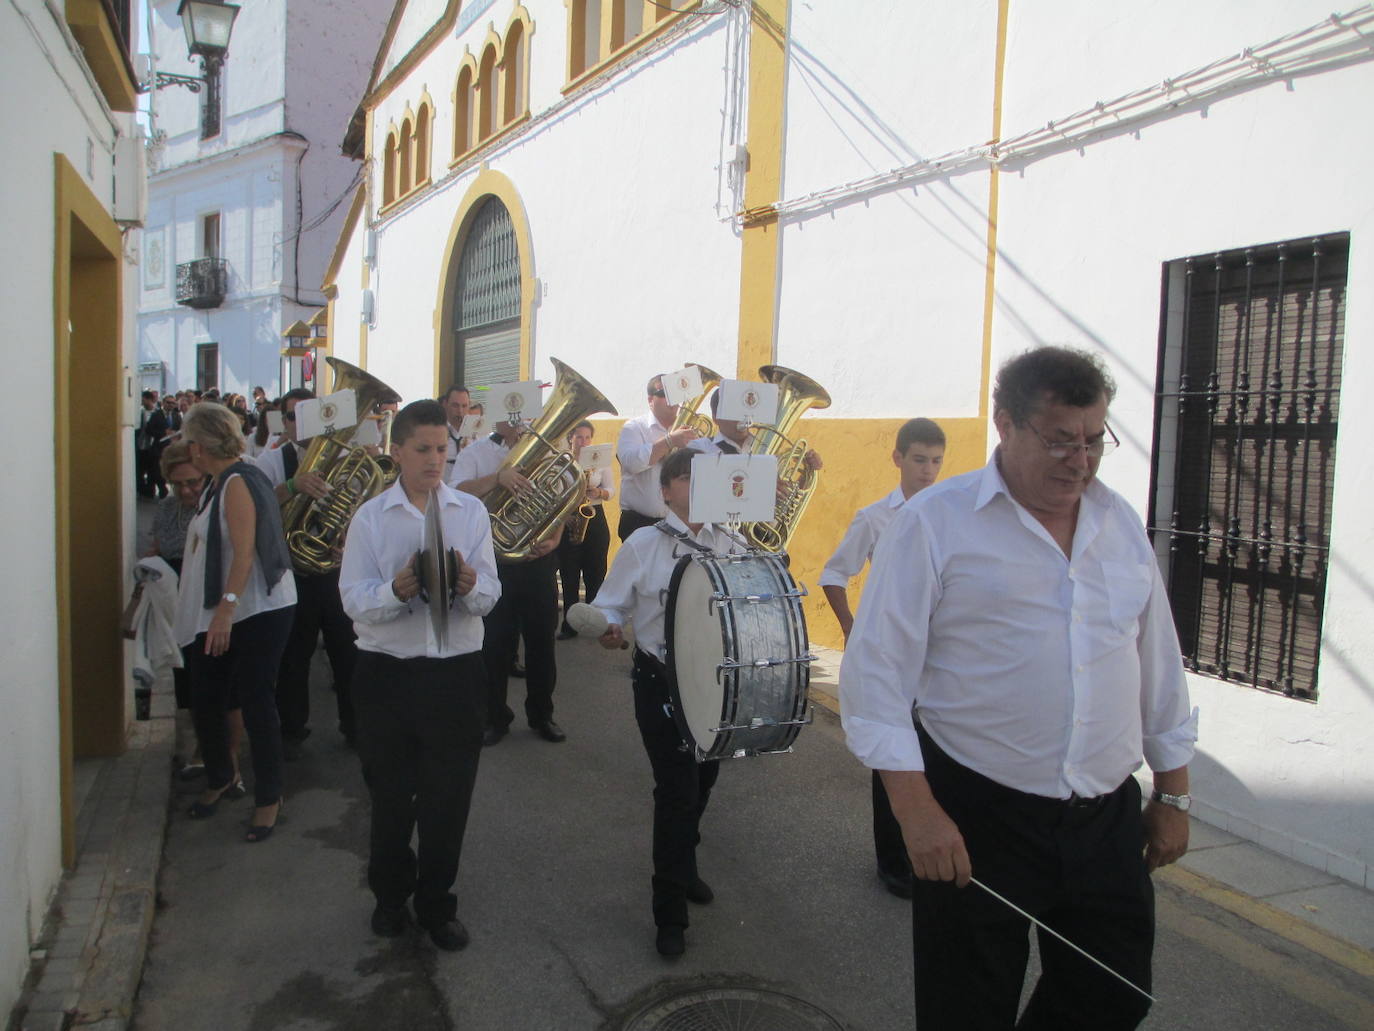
(207, 24)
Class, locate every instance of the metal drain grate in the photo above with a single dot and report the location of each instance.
(731, 1009)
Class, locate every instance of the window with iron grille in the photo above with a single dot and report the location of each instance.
(488, 300)
(1246, 412)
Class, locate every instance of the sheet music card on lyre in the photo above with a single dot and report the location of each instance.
(751, 403)
(474, 426)
(517, 402)
(276, 425)
(368, 433)
(683, 385)
(328, 414)
(733, 489)
(595, 456)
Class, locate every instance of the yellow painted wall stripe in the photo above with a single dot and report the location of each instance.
(990, 275)
(761, 237)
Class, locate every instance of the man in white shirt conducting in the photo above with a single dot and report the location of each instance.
(1013, 658)
(421, 705)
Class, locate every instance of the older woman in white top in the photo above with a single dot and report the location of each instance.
(234, 612)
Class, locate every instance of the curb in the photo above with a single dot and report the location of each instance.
(87, 965)
(1353, 957)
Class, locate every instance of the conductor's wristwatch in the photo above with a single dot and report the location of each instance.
(233, 599)
(1180, 802)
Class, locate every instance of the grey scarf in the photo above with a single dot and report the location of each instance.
(272, 553)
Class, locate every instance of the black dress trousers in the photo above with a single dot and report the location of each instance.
(682, 787)
(528, 608)
(318, 608)
(420, 738)
(1076, 866)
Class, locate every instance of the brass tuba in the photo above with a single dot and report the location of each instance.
(519, 521)
(687, 414)
(796, 480)
(314, 527)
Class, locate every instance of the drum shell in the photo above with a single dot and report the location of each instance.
(737, 631)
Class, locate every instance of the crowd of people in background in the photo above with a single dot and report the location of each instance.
(159, 425)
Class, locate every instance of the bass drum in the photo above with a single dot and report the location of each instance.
(738, 666)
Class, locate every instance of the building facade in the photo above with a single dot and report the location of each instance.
(893, 199)
(246, 197)
(72, 197)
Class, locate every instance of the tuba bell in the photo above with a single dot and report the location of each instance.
(519, 521)
(797, 481)
(688, 415)
(315, 527)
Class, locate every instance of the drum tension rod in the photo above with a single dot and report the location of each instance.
(752, 599)
(759, 722)
(764, 663)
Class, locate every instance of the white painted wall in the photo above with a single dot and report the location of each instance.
(626, 241)
(295, 72)
(1082, 237)
(881, 297)
(60, 114)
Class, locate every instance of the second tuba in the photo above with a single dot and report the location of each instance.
(796, 480)
(519, 521)
(315, 528)
(688, 414)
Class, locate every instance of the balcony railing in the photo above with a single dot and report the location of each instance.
(202, 283)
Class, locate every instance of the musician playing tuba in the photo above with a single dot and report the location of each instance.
(643, 444)
(530, 485)
(796, 479)
(317, 608)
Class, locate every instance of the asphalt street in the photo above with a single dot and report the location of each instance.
(554, 887)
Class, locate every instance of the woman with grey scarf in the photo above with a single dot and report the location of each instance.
(235, 607)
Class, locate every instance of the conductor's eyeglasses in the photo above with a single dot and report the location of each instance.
(1059, 449)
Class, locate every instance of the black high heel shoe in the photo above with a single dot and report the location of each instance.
(258, 832)
(204, 810)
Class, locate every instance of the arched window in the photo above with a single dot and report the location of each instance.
(664, 9)
(487, 95)
(462, 112)
(584, 35)
(389, 169)
(513, 78)
(487, 309)
(627, 21)
(403, 176)
(422, 124)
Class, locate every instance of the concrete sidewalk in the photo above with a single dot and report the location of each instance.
(88, 964)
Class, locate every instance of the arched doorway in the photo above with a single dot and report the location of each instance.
(487, 300)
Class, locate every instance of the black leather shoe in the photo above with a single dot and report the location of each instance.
(549, 731)
(492, 735)
(895, 883)
(567, 633)
(670, 941)
(700, 892)
(389, 922)
(450, 937)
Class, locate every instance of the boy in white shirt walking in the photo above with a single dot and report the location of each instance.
(420, 701)
(918, 456)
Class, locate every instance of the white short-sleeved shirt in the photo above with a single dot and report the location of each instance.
(1049, 673)
(192, 616)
